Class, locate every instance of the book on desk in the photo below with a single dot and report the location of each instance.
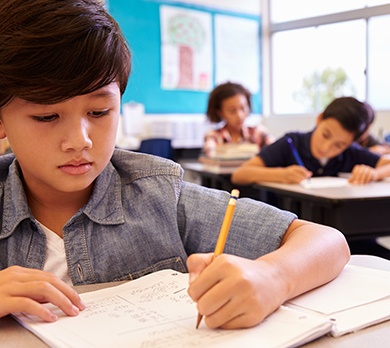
(155, 311)
(230, 155)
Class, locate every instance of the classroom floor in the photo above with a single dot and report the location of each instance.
(370, 247)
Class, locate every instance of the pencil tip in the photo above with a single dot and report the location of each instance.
(200, 316)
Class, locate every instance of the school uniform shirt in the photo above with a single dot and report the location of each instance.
(141, 218)
(253, 135)
(279, 154)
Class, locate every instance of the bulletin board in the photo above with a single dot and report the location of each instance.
(140, 23)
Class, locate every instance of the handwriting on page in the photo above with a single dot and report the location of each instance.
(155, 315)
(156, 311)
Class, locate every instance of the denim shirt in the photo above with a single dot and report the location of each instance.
(141, 217)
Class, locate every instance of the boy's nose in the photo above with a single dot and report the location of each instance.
(325, 147)
(77, 137)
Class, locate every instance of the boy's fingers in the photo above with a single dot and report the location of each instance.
(43, 292)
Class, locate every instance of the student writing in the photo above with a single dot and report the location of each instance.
(231, 102)
(74, 210)
(325, 151)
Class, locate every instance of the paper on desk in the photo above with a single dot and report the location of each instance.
(357, 298)
(155, 311)
(324, 182)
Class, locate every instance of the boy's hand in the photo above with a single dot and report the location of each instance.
(24, 290)
(233, 292)
(295, 174)
(362, 174)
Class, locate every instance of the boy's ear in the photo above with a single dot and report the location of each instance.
(319, 118)
(2, 131)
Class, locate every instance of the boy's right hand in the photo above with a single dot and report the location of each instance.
(25, 290)
(295, 174)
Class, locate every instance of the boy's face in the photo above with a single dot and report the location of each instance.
(329, 139)
(63, 147)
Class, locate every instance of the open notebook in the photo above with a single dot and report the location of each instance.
(324, 182)
(155, 311)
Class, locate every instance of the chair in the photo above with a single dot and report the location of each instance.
(157, 146)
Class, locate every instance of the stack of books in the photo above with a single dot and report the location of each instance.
(230, 155)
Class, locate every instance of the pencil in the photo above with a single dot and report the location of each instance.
(295, 152)
(224, 231)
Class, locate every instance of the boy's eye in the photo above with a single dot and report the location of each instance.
(98, 113)
(48, 118)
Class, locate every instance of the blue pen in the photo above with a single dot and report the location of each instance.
(295, 152)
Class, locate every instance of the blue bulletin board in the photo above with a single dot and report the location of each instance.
(140, 23)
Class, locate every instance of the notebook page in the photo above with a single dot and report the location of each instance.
(155, 311)
(324, 182)
(359, 297)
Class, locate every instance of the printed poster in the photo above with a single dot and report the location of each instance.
(186, 49)
(237, 51)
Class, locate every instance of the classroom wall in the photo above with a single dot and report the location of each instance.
(140, 22)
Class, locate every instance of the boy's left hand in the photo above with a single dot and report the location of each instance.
(362, 174)
(233, 292)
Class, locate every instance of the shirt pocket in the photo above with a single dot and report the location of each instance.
(175, 263)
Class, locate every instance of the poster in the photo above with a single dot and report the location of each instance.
(186, 49)
(237, 51)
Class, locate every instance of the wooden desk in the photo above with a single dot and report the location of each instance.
(359, 211)
(14, 335)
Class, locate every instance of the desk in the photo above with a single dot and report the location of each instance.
(211, 176)
(359, 211)
(14, 335)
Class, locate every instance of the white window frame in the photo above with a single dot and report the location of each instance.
(268, 29)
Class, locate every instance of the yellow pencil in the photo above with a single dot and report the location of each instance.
(223, 233)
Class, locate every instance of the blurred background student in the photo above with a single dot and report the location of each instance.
(368, 140)
(231, 103)
(330, 148)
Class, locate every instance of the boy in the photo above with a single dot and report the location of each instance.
(73, 210)
(326, 151)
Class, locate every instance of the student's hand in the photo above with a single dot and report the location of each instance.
(362, 174)
(380, 149)
(24, 290)
(233, 292)
(295, 174)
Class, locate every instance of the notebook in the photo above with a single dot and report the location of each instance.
(155, 311)
(324, 182)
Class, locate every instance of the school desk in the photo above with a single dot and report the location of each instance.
(14, 335)
(358, 211)
(211, 176)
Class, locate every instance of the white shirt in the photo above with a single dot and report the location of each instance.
(55, 256)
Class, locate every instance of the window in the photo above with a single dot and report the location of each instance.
(318, 53)
(378, 62)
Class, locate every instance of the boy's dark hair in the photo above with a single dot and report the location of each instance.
(352, 114)
(53, 50)
(222, 92)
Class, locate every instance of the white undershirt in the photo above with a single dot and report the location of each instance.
(55, 256)
(323, 161)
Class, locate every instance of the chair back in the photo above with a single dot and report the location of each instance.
(157, 146)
